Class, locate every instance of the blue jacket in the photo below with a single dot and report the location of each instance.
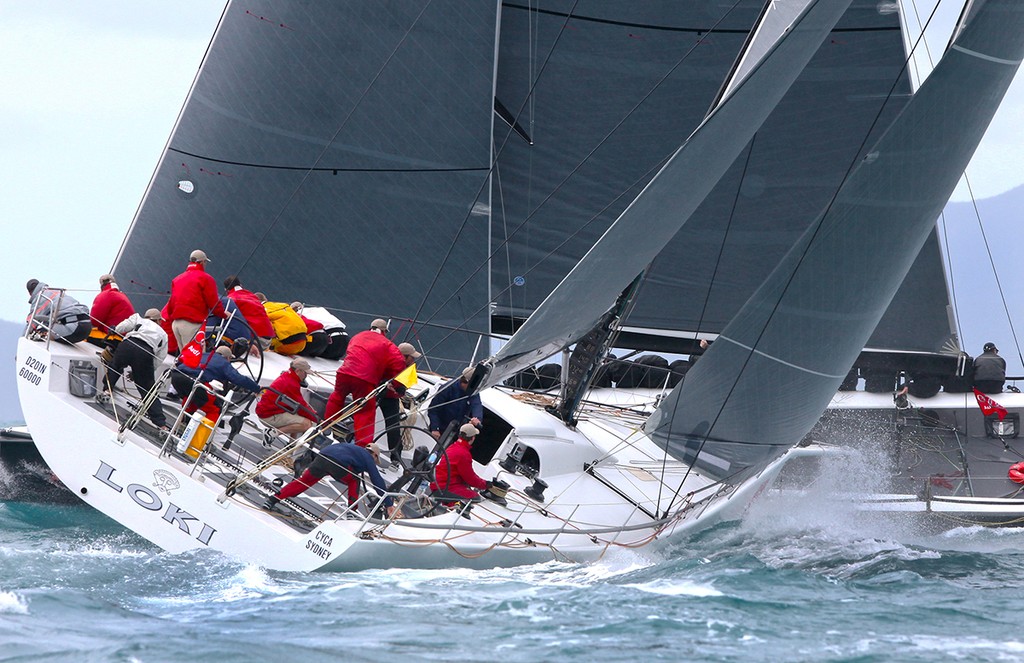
(450, 404)
(358, 460)
(219, 368)
(238, 327)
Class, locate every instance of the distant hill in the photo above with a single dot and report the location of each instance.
(10, 408)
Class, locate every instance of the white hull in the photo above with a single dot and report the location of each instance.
(180, 505)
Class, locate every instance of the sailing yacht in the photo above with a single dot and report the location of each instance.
(347, 151)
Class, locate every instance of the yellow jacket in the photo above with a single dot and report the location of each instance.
(289, 329)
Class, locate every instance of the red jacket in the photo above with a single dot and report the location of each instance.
(194, 296)
(172, 343)
(312, 325)
(287, 383)
(373, 358)
(110, 308)
(454, 471)
(252, 309)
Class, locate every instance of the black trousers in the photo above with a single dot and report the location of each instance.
(989, 386)
(137, 354)
(392, 418)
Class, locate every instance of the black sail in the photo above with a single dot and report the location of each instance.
(670, 198)
(554, 209)
(330, 152)
(451, 161)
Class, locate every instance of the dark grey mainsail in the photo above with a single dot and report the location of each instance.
(341, 154)
(766, 380)
(654, 217)
(332, 152)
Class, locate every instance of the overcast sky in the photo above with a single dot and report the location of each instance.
(91, 91)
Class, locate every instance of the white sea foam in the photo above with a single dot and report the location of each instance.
(963, 648)
(12, 604)
(674, 587)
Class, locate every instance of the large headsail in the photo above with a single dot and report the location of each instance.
(329, 152)
(771, 373)
(646, 226)
(555, 198)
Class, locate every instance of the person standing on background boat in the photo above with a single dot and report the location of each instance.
(989, 370)
(371, 359)
(454, 472)
(344, 463)
(111, 307)
(71, 322)
(193, 298)
(391, 407)
(143, 349)
(451, 404)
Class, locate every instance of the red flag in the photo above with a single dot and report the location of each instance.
(989, 406)
(192, 353)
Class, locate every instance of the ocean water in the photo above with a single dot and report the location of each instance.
(796, 581)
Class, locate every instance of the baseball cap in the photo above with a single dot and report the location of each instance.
(467, 373)
(379, 323)
(224, 351)
(153, 314)
(469, 430)
(198, 256)
(300, 364)
(408, 350)
(989, 347)
(106, 278)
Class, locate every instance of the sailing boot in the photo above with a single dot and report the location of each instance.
(271, 502)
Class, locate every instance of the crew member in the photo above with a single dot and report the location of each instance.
(343, 462)
(110, 307)
(289, 329)
(282, 406)
(70, 323)
(989, 370)
(193, 299)
(143, 348)
(214, 365)
(252, 310)
(371, 359)
(454, 472)
(452, 404)
(391, 407)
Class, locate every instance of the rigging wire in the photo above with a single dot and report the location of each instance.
(465, 220)
(977, 216)
(704, 34)
(778, 301)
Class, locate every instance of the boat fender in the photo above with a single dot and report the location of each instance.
(1016, 472)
